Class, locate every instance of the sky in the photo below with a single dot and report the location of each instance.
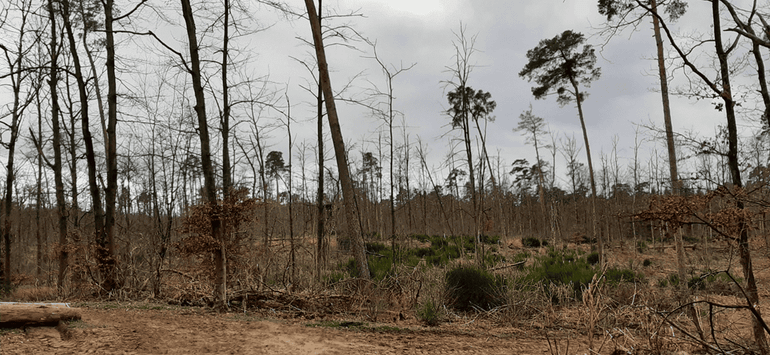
(422, 33)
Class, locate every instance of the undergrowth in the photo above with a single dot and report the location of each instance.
(573, 269)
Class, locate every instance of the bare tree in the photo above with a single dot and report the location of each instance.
(722, 89)
(533, 127)
(388, 114)
(194, 70)
(339, 146)
(20, 75)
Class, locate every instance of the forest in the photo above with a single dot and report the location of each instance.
(150, 155)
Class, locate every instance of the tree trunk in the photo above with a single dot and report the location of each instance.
(107, 245)
(96, 201)
(206, 165)
(732, 155)
(226, 173)
(339, 148)
(579, 100)
(320, 243)
(61, 204)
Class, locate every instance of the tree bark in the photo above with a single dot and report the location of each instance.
(339, 146)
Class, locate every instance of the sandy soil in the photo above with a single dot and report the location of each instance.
(193, 331)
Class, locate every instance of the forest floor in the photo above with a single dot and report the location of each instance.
(140, 329)
(159, 328)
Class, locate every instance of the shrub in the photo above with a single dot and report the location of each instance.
(531, 242)
(566, 267)
(673, 279)
(487, 239)
(593, 258)
(615, 276)
(469, 287)
(647, 262)
(561, 268)
(428, 312)
(376, 248)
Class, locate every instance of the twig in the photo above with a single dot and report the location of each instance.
(508, 266)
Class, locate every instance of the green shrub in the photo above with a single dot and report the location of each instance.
(673, 280)
(428, 312)
(647, 262)
(593, 258)
(561, 268)
(566, 267)
(532, 242)
(468, 287)
(376, 248)
(615, 276)
(487, 239)
(696, 283)
(380, 260)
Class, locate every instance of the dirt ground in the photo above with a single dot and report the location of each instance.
(132, 330)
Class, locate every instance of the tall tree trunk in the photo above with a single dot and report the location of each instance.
(594, 219)
(107, 245)
(676, 184)
(61, 204)
(735, 172)
(342, 162)
(39, 193)
(226, 172)
(96, 201)
(206, 165)
(670, 144)
(321, 215)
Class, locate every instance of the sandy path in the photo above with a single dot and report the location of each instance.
(139, 331)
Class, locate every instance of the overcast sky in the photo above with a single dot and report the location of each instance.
(422, 32)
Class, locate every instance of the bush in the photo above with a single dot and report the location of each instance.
(647, 262)
(380, 260)
(593, 258)
(532, 242)
(428, 312)
(468, 287)
(615, 276)
(566, 267)
(487, 239)
(376, 248)
(561, 268)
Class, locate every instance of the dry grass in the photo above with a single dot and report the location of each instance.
(629, 317)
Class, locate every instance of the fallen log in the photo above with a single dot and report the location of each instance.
(21, 315)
